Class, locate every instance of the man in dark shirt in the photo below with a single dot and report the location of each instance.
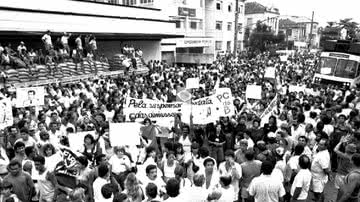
(22, 183)
(216, 142)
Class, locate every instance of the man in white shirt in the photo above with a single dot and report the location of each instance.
(101, 180)
(152, 177)
(47, 40)
(230, 168)
(301, 185)
(320, 169)
(265, 187)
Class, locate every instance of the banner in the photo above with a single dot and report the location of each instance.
(66, 171)
(293, 88)
(209, 109)
(124, 134)
(253, 92)
(76, 140)
(30, 96)
(161, 112)
(6, 115)
(268, 111)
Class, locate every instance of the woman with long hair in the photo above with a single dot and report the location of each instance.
(91, 147)
(133, 189)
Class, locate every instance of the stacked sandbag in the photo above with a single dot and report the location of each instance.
(99, 68)
(106, 66)
(65, 69)
(24, 75)
(117, 62)
(58, 73)
(86, 67)
(72, 68)
(42, 72)
(12, 75)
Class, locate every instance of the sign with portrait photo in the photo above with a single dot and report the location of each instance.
(31, 96)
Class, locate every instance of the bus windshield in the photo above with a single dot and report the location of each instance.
(346, 69)
(327, 66)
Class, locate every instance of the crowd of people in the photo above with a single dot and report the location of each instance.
(309, 139)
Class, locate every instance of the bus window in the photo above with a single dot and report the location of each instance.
(346, 69)
(327, 66)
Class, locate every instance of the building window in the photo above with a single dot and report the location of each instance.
(249, 22)
(241, 9)
(240, 27)
(201, 3)
(228, 45)
(218, 25)
(200, 24)
(129, 2)
(178, 23)
(146, 1)
(193, 25)
(230, 8)
(218, 5)
(218, 45)
(229, 26)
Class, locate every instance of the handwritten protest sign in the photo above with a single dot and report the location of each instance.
(6, 115)
(31, 96)
(192, 83)
(253, 92)
(161, 112)
(224, 102)
(124, 134)
(203, 113)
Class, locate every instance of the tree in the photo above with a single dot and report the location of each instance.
(350, 26)
(262, 38)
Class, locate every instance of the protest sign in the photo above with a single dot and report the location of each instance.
(77, 140)
(269, 111)
(124, 134)
(6, 115)
(192, 83)
(253, 92)
(270, 72)
(30, 96)
(202, 113)
(183, 96)
(283, 58)
(161, 112)
(293, 88)
(223, 101)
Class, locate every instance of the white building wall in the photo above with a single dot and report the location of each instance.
(273, 22)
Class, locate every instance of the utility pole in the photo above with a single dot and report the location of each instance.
(311, 29)
(236, 29)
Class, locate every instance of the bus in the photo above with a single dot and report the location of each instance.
(339, 64)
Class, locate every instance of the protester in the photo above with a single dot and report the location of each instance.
(196, 156)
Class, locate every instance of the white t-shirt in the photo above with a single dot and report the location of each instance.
(119, 165)
(47, 39)
(266, 188)
(97, 185)
(303, 180)
(320, 162)
(235, 181)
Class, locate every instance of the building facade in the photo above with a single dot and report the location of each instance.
(256, 12)
(298, 30)
(112, 23)
(207, 26)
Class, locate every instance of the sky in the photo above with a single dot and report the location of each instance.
(324, 10)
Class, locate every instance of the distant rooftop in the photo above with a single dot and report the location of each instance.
(255, 7)
(297, 19)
